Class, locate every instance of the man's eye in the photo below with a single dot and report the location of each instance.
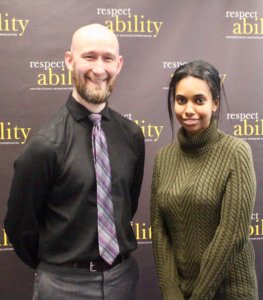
(109, 58)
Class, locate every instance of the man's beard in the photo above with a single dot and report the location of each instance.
(95, 95)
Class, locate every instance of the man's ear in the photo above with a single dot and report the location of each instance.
(69, 60)
(120, 63)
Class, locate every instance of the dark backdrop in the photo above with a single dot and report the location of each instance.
(155, 38)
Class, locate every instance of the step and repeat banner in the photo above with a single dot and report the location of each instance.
(155, 38)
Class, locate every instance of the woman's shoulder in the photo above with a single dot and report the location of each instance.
(229, 141)
(166, 154)
(235, 147)
(167, 149)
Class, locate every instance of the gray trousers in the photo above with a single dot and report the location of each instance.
(64, 283)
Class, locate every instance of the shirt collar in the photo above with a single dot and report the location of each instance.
(80, 112)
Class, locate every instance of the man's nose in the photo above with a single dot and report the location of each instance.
(98, 67)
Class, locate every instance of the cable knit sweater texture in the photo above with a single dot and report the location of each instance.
(203, 193)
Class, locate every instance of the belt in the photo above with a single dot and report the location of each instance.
(98, 265)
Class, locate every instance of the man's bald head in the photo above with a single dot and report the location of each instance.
(94, 32)
(95, 63)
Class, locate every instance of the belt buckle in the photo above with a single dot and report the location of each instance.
(92, 267)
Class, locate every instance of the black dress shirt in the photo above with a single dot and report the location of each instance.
(52, 209)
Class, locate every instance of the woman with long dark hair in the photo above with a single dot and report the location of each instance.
(203, 193)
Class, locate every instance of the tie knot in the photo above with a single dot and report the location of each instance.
(95, 119)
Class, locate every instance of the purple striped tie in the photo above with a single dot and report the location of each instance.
(108, 244)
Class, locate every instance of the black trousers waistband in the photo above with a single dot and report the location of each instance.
(98, 265)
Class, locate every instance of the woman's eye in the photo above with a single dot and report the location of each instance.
(180, 100)
(200, 100)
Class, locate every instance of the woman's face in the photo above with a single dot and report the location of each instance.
(194, 104)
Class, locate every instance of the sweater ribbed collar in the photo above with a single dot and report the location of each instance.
(199, 142)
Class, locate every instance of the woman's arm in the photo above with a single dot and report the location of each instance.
(163, 254)
(233, 231)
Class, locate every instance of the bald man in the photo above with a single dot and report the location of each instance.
(52, 208)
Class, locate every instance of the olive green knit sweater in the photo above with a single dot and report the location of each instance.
(203, 193)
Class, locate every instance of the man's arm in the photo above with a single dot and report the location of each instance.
(32, 179)
(138, 172)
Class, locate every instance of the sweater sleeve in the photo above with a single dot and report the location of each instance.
(232, 233)
(162, 250)
(29, 189)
